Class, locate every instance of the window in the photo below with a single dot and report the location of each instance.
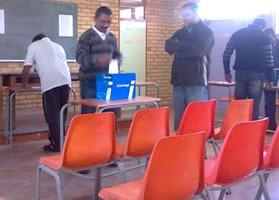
(132, 9)
(233, 9)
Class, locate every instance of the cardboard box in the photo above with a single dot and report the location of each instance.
(115, 86)
(275, 77)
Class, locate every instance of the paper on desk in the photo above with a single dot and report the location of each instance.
(113, 67)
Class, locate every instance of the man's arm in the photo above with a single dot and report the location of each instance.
(269, 63)
(199, 48)
(25, 75)
(173, 46)
(227, 58)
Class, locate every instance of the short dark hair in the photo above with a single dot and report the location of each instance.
(192, 5)
(103, 10)
(38, 37)
(259, 22)
(270, 31)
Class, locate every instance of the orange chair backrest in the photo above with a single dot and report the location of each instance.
(90, 140)
(238, 111)
(242, 151)
(271, 159)
(148, 126)
(198, 116)
(175, 169)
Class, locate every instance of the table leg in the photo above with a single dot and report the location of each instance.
(1, 104)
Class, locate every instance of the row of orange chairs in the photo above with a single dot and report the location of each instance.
(96, 133)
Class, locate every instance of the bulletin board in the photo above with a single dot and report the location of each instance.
(25, 19)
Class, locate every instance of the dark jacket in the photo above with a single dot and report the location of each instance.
(253, 51)
(89, 47)
(191, 47)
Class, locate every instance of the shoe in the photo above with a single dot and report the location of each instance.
(112, 165)
(51, 148)
(87, 171)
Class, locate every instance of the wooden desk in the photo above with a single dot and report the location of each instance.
(102, 105)
(140, 84)
(221, 84)
(14, 79)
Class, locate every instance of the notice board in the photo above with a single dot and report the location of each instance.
(25, 19)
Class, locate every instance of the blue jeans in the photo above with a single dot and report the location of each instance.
(87, 91)
(249, 84)
(183, 95)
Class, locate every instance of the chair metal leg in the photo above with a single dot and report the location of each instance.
(147, 160)
(214, 148)
(122, 171)
(203, 196)
(208, 193)
(260, 190)
(62, 177)
(222, 194)
(97, 183)
(58, 186)
(263, 188)
(38, 183)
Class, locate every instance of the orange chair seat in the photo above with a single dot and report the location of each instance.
(226, 99)
(128, 191)
(209, 174)
(172, 133)
(119, 151)
(53, 162)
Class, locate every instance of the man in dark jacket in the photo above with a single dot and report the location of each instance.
(253, 62)
(191, 46)
(270, 95)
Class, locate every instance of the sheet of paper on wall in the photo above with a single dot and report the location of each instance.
(113, 67)
(2, 21)
(65, 25)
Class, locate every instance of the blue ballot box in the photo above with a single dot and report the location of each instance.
(275, 77)
(115, 86)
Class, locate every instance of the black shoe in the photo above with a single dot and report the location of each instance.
(112, 165)
(87, 171)
(51, 148)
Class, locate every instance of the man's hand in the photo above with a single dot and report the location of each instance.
(104, 59)
(228, 77)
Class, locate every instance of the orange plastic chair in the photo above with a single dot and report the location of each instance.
(227, 99)
(174, 172)
(238, 111)
(89, 143)
(148, 126)
(240, 156)
(271, 163)
(198, 116)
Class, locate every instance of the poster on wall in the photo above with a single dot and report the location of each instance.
(65, 25)
(2, 21)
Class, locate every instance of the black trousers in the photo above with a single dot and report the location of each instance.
(53, 101)
(270, 108)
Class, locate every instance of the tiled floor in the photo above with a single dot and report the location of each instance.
(18, 173)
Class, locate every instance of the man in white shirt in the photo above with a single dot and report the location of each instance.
(49, 59)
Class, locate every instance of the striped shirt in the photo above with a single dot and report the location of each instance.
(49, 59)
(253, 52)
